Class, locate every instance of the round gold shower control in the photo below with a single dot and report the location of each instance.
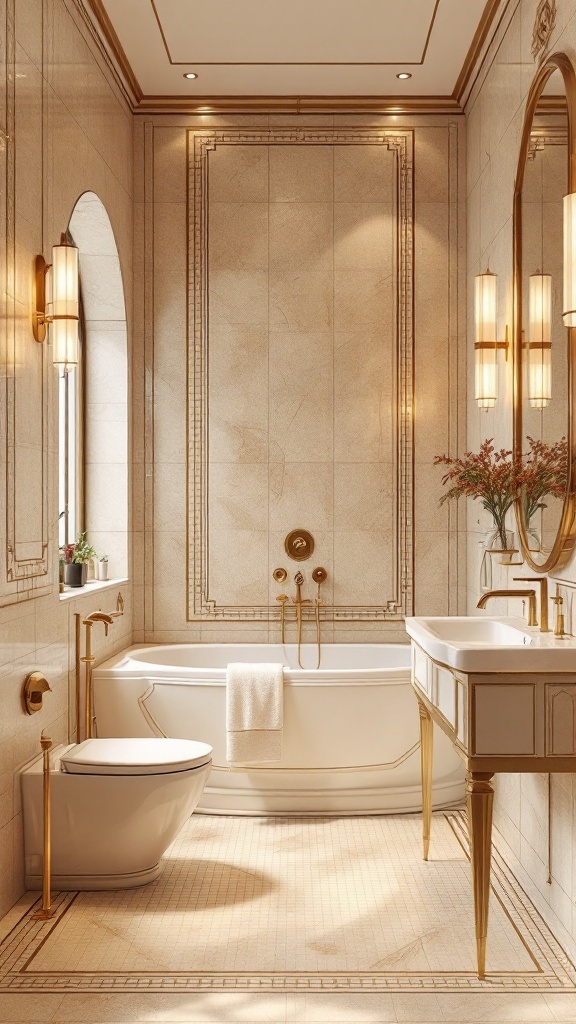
(279, 575)
(319, 575)
(299, 545)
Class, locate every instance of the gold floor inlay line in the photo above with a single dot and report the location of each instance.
(292, 904)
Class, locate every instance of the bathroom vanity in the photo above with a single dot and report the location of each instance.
(506, 697)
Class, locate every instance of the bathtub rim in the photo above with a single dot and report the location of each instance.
(124, 664)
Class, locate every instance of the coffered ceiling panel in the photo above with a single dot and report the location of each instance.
(304, 47)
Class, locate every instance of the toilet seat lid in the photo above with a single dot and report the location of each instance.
(129, 756)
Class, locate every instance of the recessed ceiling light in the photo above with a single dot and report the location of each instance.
(190, 74)
(404, 74)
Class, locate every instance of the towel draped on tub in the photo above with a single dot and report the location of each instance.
(254, 712)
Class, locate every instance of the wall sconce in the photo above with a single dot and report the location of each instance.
(486, 346)
(539, 345)
(569, 229)
(57, 302)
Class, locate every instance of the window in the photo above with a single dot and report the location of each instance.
(71, 421)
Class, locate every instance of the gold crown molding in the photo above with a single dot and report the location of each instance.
(479, 38)
(112, 49)
(298, 105)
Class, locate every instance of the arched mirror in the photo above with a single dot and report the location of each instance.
(544, 346)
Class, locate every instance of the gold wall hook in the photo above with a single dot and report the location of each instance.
(35, 685)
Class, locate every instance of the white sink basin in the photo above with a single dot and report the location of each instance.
(482, 644)
(471, 630)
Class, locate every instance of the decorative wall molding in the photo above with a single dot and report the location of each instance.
(201, 606)
(24, 373)
(543, 26)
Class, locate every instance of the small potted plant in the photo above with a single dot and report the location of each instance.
(76, 557)
(101, 565)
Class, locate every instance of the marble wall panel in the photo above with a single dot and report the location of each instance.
(72, 133)
(298, 381)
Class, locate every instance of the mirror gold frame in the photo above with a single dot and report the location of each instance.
(566, 534)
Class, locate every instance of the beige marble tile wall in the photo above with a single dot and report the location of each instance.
(495, 115)
(160, 450)
(73, 133)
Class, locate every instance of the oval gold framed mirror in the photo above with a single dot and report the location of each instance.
(544, 349)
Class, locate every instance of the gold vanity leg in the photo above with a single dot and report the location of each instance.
(479, 798)
(426, 746)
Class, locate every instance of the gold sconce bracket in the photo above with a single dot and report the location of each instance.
(299, 545)
(35, 685)
(39, 315)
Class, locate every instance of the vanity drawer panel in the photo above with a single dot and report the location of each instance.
(422, 670)
(445, 694)
(503, 719)
(560, 712)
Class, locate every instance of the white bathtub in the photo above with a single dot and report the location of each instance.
(350, 742)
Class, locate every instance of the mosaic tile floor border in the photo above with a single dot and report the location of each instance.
(552, 969)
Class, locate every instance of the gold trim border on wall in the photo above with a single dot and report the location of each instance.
(200, 605)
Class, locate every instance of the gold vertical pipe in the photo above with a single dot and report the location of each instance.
(318, 629)
(87, 682)
(78, 670)
(46, 912)
(426, 755)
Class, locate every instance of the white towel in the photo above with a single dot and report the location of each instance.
(254, 713)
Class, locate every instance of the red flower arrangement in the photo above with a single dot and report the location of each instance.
(488, 475)
(494, 478)
(545, 471)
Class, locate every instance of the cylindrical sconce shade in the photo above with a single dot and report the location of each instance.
(569, 302)
(486, 369)
(64, 281)
(539, 343)
(65, 344)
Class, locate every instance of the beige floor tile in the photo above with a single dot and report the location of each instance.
(207, 1007)
(340, 1006)
(28, 1009)
(490, 1006)
(563, 1006)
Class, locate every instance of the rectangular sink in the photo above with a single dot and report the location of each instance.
(476, 630)
(482, 644)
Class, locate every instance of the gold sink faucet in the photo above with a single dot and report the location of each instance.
(543, 581)
(530, 594)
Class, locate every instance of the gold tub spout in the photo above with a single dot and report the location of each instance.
(530, 594)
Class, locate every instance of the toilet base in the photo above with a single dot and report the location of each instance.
(73, 883)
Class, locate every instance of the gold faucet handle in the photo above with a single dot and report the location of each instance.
(283, 598)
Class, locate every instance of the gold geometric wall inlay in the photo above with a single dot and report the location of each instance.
(396, 597)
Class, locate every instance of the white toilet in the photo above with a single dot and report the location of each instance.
(117, 804)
